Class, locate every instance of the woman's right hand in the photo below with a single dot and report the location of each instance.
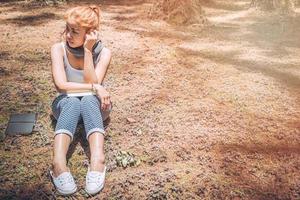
(90, 40)
(103, 95)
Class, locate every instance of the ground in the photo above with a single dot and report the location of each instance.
(205, 112)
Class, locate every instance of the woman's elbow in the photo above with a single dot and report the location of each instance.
(60, 87)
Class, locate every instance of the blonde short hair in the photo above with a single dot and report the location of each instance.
(84, 16)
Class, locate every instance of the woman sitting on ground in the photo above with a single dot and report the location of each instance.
(79, 65)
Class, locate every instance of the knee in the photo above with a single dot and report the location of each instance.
(88, 100)
(73, 101)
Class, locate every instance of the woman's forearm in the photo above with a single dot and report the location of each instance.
(73, 87)
(89, 74)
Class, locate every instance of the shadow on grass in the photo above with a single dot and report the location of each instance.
(4, 55)
(9, 1)
(32, 20)
(271, 70)
(224, 5)
(268, 37)
(260, 171)
(120, 2)
(25, 191)
(262, 149)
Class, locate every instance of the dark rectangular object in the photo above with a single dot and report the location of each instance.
(19, 128)
(28, 117)
(21, 124)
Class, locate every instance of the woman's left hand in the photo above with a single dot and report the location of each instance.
(104, 97)
(90, 40)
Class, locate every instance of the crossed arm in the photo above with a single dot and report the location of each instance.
(91, 74)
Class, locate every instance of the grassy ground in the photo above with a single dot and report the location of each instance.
(199, 113)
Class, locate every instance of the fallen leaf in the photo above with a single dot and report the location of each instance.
(131, 120)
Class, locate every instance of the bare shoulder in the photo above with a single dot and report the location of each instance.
(57, 56)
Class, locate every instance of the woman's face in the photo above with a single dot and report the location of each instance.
(75, 35)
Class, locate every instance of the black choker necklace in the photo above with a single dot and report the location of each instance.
(79, 51)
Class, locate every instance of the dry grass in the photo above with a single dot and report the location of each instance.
(213, 112)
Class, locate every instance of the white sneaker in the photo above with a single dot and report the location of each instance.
(94, 181)
(64, 183)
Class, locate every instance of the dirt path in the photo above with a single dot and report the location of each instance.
(216, 110)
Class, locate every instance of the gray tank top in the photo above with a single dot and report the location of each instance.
(72, 74)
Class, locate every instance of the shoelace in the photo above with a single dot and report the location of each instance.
(66, 180)
(94, 178)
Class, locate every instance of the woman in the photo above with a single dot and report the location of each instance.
(79, 65)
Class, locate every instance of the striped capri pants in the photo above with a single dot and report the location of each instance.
(69, 110)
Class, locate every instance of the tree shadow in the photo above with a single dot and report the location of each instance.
(261, 149)
(25, 191)
(4, 55)
(32, 20)
(267, 36)
(127, 18)
(124, 11)
(79, 137)
(238, 167)
(232, 58)
(9, 1)
(156, 33)
(122, 2)
(273, 31)
(224, 5)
